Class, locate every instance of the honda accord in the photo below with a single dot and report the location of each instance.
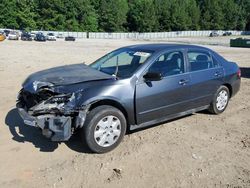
(129, 88)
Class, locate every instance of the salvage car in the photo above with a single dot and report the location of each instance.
(130, 88)
(60, 36)
(40, 37)
(214, 34)
(25, 36)
(51, 37)
(13, 35)
(2, 36)
(227, 33)
(33, 35)
(70, 38)
(6, 31)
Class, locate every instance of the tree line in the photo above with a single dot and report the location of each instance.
(125, 15)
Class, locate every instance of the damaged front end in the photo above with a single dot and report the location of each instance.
(57, 114)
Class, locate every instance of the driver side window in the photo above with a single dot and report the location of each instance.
(168, 64)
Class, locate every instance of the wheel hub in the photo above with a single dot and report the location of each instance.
(107, 131)
(222, 100)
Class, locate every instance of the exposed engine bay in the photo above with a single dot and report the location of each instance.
(56, 114)
(52, 99)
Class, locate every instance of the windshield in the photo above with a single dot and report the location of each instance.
(121, 63)
(13, 33)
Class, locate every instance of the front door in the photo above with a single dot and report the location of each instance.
(158, 99)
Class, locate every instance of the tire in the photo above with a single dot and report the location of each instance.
(220, 100)
(104, 129)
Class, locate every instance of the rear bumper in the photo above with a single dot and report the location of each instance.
(236, 86)
(58, 128)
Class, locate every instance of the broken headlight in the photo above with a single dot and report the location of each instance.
(37, 85)
(58, 104)
(63, 98)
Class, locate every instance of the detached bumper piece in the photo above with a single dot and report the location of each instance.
(58, 128)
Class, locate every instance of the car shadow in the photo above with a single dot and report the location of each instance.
(23, 133)
(245, 72)
(75, 143)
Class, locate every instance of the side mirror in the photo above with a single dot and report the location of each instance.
(152, 76)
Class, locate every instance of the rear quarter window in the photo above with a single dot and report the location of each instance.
(215, 62)
(199, 60)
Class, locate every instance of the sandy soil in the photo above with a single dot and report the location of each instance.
(199, 150)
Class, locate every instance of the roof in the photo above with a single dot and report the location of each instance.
(162, 46)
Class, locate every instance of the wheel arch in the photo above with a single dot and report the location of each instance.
(112, 103)
(230, 88)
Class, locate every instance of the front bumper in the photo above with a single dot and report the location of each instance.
(58, 128)
(51, 39)
(13, 38)
(27, 119)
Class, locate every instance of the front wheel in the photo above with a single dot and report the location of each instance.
(104, 129)
(220, 100)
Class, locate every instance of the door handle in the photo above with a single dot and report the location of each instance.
(183, 82)
(217, 74)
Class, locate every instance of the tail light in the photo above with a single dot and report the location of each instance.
(239, 73)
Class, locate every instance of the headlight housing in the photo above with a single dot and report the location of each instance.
(38, 84)
(55, 104)
(62, 98)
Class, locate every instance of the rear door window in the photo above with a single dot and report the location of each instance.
(199, 60)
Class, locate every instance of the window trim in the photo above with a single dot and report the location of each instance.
(214, 57)
(201, 51)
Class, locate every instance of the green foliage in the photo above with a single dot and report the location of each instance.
(26, 14)
(142, 16)
(8, 14)
(177, 15)
(125, 15)
(212, 15)
(163, 14)
(245, 18)
(230, 10)
(194, 14)
(112, 15)
(71, 15)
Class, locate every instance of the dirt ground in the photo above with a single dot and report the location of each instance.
(199, 150)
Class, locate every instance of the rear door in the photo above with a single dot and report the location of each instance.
(158, 99)
(206, 75)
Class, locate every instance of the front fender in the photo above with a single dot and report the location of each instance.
(114, 93)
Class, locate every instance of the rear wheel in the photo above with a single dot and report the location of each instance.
(220, 100)
(104, 128)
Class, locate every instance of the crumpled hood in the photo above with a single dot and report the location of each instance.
(63, 75)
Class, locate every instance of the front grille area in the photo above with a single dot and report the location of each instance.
(28, 100)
